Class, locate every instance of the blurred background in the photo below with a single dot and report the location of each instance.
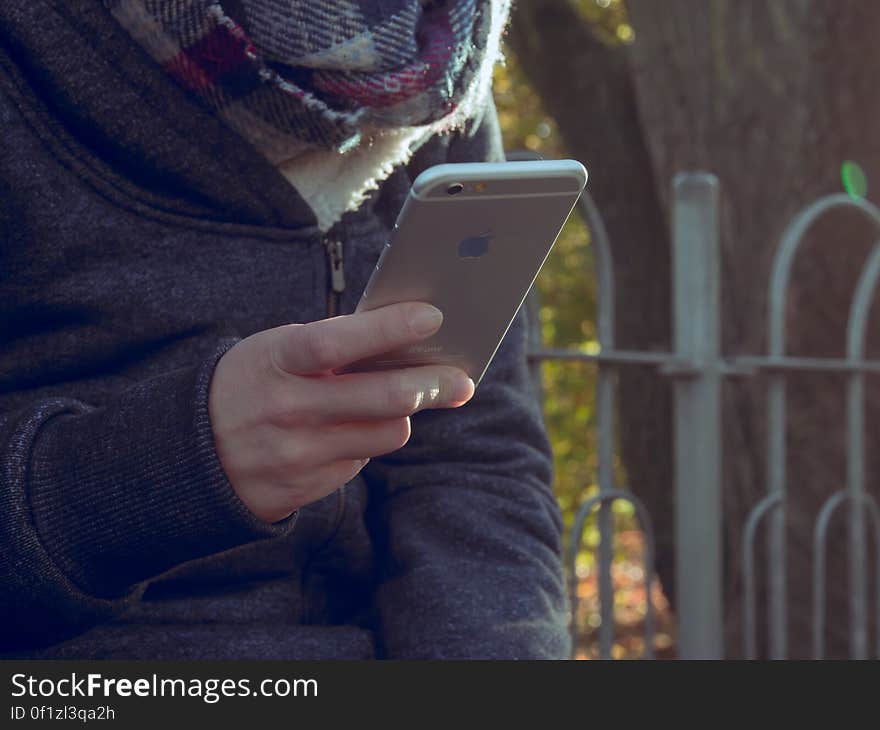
(775, 99)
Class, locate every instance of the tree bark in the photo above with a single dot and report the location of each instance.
(772, 98)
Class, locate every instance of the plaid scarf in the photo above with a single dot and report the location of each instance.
(297, 75)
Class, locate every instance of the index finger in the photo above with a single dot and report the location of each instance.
(326, 344)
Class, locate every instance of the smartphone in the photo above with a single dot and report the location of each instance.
(470, 239)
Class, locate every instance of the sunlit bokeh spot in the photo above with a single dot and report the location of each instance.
(625, 33)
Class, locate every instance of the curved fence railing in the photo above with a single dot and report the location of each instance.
(698, 368)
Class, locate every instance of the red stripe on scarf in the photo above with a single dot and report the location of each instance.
(224, 49)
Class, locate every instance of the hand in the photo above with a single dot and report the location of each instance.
(289, 431)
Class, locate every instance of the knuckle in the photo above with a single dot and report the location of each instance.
(272, 362)
(276, 412)
(405, 316)
(274, 352)
(289, 454)
(403, 395)
(321, 347)
(284, 409)
(385, 331)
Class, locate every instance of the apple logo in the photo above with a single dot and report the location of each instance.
(474, 246)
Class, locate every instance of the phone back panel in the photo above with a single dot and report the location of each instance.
(474, 255)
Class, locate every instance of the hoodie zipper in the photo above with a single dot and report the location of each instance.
(333, 247)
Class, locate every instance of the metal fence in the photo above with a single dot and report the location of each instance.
(698, 369)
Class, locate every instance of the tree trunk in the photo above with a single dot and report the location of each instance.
(772, 98)
(586, 86)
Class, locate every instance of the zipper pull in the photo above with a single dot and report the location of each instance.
(337, 272)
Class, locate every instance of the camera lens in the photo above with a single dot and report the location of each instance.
(455, 188)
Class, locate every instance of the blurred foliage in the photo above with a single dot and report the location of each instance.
(567, 290)
(608, 19)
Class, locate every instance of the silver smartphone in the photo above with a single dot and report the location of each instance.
(470, 239)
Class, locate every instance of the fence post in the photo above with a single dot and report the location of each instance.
(697, 394)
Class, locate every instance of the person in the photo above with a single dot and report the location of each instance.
(192, 197)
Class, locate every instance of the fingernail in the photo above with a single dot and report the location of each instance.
(426, 319)
(462, 389)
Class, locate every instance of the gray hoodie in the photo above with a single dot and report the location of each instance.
(139, 240)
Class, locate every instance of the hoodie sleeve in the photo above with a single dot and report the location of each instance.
(94, 500)
(464, 515)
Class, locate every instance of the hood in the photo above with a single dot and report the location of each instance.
(98, 86)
